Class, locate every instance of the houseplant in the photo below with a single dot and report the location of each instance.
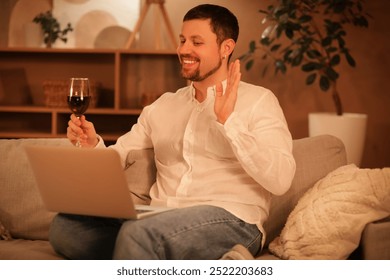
(51, 28)
(311, 35)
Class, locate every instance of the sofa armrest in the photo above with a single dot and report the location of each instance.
(375, 242)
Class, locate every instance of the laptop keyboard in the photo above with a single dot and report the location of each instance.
(140, 211)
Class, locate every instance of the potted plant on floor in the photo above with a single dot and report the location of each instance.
(311, 34)
(51, 28)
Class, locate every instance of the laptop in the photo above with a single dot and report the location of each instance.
(84, 181)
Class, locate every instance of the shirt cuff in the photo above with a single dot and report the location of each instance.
(100, 143)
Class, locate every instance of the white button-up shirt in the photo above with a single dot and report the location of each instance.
(236, 166)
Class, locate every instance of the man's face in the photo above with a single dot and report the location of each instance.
(199, 53)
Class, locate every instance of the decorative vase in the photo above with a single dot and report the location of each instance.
(349, 128)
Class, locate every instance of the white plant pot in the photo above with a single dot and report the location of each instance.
(350, 128)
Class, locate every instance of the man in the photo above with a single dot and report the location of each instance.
(222, 147)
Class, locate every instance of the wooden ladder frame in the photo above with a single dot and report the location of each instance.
(141, 19)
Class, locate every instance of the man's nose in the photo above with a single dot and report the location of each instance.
(183, 48)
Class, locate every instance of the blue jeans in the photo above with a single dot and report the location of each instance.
(199, 232)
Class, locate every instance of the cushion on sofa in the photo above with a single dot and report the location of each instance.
(21, 208)
(140, 174)
(315, 157)
(20, 249)
(329, 219)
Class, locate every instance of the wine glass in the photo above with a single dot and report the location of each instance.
(78, 98)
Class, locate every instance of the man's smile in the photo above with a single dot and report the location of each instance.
(188, 61)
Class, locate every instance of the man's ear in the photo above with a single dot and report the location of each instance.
(227, 47)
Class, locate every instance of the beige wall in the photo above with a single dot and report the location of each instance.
(364, 89)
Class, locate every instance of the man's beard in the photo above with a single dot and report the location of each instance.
(196, 76)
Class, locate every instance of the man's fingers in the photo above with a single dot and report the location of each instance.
(75, 126)
(219, 89)
(234, 74)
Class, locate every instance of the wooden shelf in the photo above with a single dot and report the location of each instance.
(126, 77)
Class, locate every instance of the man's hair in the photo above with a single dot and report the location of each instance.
(223, 22)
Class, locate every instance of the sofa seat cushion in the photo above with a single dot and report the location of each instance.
(329, 219)
(20, 249)
(21, 209)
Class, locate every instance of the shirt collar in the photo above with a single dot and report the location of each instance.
(210, 90)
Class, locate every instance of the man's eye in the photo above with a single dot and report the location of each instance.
(197, 43)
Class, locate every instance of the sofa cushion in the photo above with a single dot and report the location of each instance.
(329, 219)
(20, 249)
(315, 157)
(21, 209)
(140, 174)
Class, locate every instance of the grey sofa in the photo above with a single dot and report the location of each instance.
(24, 222)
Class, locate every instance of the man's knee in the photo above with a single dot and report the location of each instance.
(136, 240)
(79, 237)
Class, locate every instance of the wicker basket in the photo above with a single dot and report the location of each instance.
(56, 91)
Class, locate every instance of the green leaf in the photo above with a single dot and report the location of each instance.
(342, 33)
(341, 42)
(311, 78)
(263, 12)
(360, 21)
(265, 41)
(331, 49)
(275, 47)
(280, 66)
(313, 54)
(324, 83)
(350, 59)
(243, 56)
(311, 66)
(297, 59)
(249, 64)
(287, 54)
(331, 73)
(252, 46)
(279, 30)
(305, 18)
(326, 41)
(280, 12)
(289, 33)
(335, 60)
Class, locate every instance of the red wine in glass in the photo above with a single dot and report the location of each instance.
(78, 105)
(78, 98)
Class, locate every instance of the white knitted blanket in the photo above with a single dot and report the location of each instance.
(328, 220)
